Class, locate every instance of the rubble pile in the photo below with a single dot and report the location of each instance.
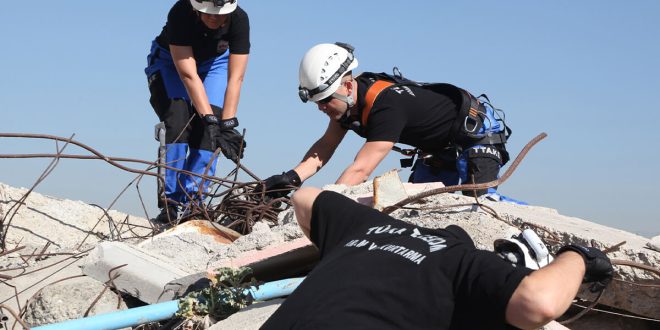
(78, 258)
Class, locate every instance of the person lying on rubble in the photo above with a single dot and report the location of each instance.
(195, 73)
(377, 272)
(456, 135)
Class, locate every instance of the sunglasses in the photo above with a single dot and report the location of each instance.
(326, 100)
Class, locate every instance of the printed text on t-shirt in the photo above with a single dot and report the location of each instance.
(435, 243)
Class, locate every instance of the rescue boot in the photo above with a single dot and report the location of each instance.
(167, 214)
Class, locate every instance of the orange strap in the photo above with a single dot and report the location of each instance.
(371, 96)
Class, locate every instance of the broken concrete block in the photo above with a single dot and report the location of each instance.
(654, 244)
(69, 300)
(388, 190)
(274, 262)
(190, 246)
(63, 223)
(413, 189)
(143, 276)
(220, 234)
(249, 318)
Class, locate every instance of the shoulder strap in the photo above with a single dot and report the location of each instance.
(372, 93)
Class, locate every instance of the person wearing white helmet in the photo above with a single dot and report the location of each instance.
(195, 73)
(458, 137)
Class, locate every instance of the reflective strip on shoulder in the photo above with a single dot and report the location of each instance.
(371, 96)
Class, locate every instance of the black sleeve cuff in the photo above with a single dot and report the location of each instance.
(229, 123)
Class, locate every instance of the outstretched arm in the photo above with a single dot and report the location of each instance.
(369, 156)
(547, 293)
(186, 66)
(321, 151)
(235, 74)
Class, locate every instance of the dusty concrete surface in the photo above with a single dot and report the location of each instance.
(70, 300)
(63, 223)
(250, 318)
(38, 275)
(196, 253)
(65, 230)
(654, 244)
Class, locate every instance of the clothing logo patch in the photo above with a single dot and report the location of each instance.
(223, 45)
(401, 89)
(485, 151)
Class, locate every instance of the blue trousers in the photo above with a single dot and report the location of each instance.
(188, 145)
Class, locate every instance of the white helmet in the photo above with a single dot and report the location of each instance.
(215, 7)
(322, 68)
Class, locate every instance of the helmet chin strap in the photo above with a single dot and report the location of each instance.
(349, 104)
(348, 99)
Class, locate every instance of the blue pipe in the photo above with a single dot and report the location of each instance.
(162, 311)
(275, 289)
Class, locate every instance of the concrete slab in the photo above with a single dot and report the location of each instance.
(273, 263)
(27, 282)
(219, 233)
(654, 244)
(69, 300)
(249, 318)
(144, 276)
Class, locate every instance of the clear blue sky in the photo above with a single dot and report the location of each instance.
(585, 72)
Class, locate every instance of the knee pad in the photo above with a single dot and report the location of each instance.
(176, 121)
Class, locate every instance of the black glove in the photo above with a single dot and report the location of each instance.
(223, 135)
(212, 127)
(599, 270)
(233, 144)
(282, 183)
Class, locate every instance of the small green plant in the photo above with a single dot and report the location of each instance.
(227, 295)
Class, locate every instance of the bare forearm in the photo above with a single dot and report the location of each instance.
(546, 293)
(366, 161)
(195, 88)
(235, 75)
(315, 158)
(232, 97)
(354, 174)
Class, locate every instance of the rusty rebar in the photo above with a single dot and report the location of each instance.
(53, 273)
(477, 186)
(15, 315)
(11, 251)
(584, 311)
(629, 263)
(106, 285)
(13, 211)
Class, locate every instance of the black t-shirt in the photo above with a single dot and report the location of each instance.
(184, 28)
(410, 115)
(377, 272)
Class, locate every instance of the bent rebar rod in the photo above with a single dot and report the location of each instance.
(473, 186)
